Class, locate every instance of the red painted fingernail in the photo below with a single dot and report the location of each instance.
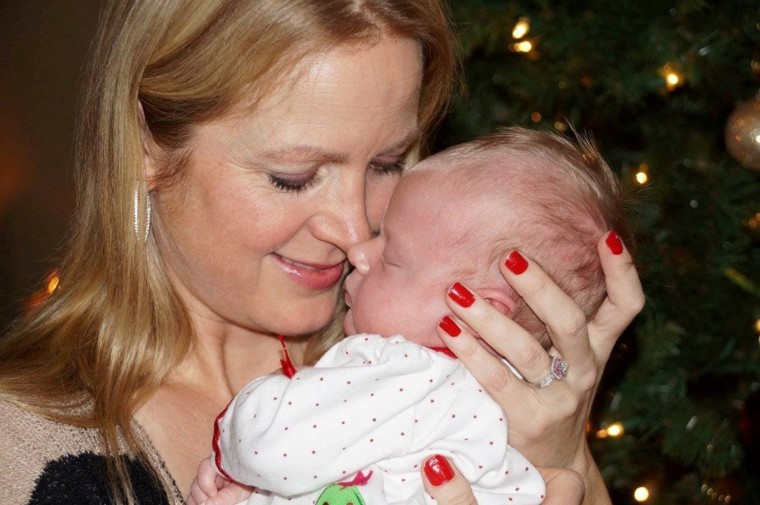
(461, 295)
(438, 470)
(614, 243)
(516, 263)
(449, 326)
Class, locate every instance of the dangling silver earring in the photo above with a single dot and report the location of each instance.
(136, 215)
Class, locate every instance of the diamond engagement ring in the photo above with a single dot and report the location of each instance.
(557, 372)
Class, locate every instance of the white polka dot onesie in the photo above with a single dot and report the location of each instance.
(357, 426)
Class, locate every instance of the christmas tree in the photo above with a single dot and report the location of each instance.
(668, 91)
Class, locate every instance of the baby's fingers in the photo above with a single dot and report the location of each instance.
(197, 496)
(207, 479)
(230, 495)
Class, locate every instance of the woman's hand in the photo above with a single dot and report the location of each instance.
(548, 424)
(444, 483)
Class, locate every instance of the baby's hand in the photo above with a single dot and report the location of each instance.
(210, 488)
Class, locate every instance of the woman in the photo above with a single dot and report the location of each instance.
(229, 154)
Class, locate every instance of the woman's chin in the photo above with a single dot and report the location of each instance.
(296, 329)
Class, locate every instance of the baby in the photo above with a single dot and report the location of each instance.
(355, 427)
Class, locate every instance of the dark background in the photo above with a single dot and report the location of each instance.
(684, 381)
(44, 45)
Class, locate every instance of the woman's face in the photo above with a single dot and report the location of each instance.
(256, 233)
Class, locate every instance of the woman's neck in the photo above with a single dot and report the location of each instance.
(223, 359)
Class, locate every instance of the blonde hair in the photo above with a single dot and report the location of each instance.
(115, 329)
(542, 193)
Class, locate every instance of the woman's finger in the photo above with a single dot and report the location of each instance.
(502, 334)
(625, 296)
(487, 369)
(563, 486)
(444, 483)
(524, 405)
(501, 380)
(527, 358)
(564, 320)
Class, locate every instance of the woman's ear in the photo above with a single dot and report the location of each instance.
(502, 299)
(150, 163)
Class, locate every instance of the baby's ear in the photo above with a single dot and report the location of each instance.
(501, 299)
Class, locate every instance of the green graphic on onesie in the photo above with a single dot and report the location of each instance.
(338, 494)
(345, 493)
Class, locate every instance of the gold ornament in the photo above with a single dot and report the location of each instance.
(743, 133)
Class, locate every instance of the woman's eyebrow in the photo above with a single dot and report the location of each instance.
(316, 153)
(307, 152)
(407, 141)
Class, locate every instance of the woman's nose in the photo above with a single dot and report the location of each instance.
(344, 220)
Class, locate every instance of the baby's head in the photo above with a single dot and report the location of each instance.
(454, 215)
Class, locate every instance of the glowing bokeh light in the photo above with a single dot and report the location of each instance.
(52, 282)
(524, 46)
(521, 29)
(615, 430)
(641, 494)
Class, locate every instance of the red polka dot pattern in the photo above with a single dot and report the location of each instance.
(370, 406)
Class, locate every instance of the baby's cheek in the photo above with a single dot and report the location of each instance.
(348, 323)
(428, 339)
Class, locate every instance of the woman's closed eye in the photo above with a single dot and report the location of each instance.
(297, 183)
(292, 183)
(395, 166)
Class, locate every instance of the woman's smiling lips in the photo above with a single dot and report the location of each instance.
(313, 276)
